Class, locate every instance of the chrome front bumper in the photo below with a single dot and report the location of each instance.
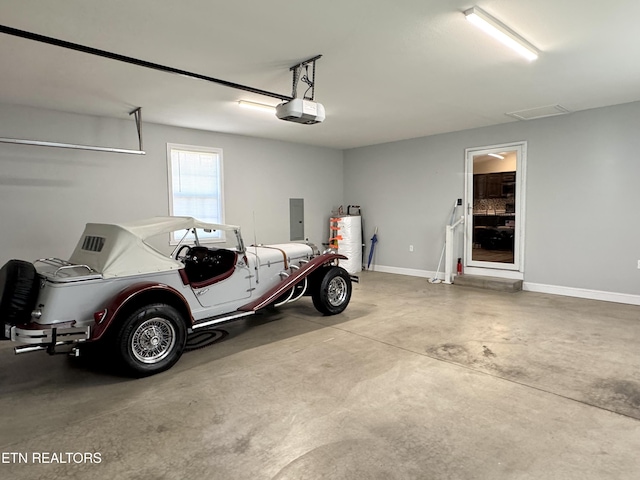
(47, 338)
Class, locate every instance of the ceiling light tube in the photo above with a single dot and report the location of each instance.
(257, 106)
(495, 155)
(501, 32)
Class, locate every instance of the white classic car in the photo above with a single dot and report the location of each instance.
(118, 291)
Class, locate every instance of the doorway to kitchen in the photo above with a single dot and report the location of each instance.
(494, 217)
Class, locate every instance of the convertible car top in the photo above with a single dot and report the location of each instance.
(120, 250)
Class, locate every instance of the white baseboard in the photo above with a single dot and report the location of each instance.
(412, 272)
(530, 287)
(582, 293)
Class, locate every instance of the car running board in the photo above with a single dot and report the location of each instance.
(207, 322)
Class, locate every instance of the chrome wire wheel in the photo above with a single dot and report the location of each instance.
(153, 340)
(337, 291)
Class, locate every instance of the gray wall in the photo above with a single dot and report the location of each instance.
(48, 194)
(582, 228)
(582, 223)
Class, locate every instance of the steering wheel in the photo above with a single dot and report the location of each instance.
(198, 255)
(215, 260)
(182, 258)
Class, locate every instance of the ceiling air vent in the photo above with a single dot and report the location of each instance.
(539, 112)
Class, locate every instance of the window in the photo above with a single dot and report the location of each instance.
(195, 187)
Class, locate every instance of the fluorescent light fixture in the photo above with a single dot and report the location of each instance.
(495, 155)
(501, 32)
(257, 106)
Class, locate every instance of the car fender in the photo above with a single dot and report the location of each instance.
(300, 274)
(127, 298)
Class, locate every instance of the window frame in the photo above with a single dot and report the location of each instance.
(173, 238)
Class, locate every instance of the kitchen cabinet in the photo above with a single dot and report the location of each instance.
(494, 185)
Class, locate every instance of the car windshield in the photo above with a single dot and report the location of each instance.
(229, 239)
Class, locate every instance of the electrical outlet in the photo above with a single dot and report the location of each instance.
(638, 264)
(411, 250)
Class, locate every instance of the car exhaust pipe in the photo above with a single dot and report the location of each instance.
(50, 348)
(28, 348)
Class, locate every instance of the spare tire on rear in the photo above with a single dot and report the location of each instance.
(18, 292)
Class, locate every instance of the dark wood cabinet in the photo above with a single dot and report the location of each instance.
(479, 187)
(494, 185)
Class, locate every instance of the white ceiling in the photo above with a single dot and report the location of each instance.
(389, 71)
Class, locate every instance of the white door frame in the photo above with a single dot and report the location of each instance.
(516, 269)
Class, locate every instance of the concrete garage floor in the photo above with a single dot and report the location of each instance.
(413, 381)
